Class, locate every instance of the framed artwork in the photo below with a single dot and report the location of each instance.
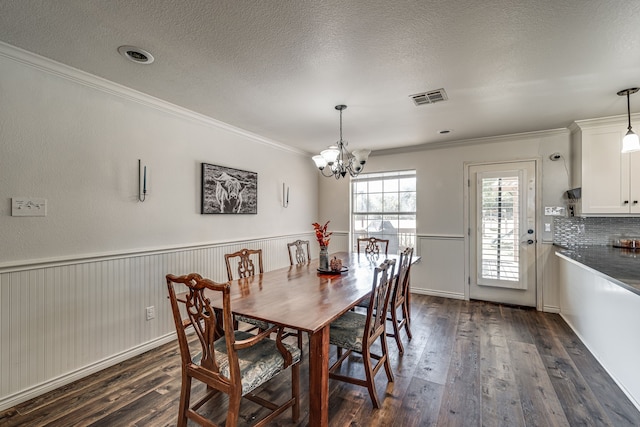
(228, 190)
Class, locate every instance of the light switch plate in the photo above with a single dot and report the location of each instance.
(28, 206)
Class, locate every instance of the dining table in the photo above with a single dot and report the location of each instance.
(302, 297)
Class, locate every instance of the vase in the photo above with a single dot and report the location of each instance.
(324, 258)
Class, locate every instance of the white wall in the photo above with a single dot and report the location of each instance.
(76, 142)
(440, 175)
(74, 284)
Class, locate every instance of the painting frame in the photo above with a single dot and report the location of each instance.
(226, 190)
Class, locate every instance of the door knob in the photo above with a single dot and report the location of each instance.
(530, 242)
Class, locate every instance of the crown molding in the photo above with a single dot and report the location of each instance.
(75, 75)
(475, 141)
(620, 120)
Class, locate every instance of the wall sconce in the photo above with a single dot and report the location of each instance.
(142, 182)
(285, 196)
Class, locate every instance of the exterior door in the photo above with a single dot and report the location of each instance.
(502, 233)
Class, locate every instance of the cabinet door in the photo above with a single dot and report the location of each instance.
(634, 182)
(605, 173)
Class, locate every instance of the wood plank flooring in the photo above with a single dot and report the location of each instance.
(468, 364)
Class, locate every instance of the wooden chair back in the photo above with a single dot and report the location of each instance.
(383, 278)
(400, 300)
(401, 284)
(372, 246)
(202, 317)
(245, 264)
(299, 251)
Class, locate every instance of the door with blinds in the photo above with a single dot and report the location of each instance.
(502, 233)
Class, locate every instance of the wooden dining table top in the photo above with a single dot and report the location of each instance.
(300, 296)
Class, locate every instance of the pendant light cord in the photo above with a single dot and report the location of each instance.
(628, 112)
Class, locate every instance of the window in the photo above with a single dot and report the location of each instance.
(384, 206)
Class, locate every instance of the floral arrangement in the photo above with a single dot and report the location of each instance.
(321, 233)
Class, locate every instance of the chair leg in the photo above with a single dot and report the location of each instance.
(407, 317)
(233, 410)
(295, 390)
(396, 329)
(371, 383)
(185, 395)
(385, 356)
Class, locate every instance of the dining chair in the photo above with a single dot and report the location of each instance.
(400, 299)
(358, 332)
(246, 267)
(236, 364)
(300, 255)
(372, 246)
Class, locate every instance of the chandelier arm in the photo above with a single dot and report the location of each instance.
(325, 175)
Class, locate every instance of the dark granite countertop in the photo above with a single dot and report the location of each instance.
(621, 266)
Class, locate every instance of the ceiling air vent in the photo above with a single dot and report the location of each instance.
(430, 97)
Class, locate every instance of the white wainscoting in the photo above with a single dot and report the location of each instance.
(63, 320)
(440, 272)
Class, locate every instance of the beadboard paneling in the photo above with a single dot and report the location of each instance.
(64, 320)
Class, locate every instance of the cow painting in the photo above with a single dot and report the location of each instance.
(228, 191)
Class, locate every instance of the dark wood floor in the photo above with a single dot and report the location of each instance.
(469, 364)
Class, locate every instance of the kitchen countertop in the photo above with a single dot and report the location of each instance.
(621, 266)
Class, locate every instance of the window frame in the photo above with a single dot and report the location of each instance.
(402, 239)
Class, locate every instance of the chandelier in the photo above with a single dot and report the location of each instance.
(339, 159)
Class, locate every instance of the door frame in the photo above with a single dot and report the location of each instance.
(538, 223)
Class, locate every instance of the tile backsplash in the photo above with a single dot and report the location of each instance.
(577, 231)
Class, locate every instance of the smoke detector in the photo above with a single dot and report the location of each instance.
(135, 54)
(430, 97)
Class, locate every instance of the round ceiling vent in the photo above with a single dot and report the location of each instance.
(135, 54)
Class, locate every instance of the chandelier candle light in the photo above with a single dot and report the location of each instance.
(339, 159)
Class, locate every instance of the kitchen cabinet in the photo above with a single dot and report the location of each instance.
(610, 180)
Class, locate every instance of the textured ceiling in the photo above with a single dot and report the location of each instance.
(277, 68)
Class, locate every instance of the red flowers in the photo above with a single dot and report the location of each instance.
(321, 233)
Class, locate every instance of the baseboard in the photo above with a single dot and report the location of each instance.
(54, 383)
(435, 293)
(550, 309)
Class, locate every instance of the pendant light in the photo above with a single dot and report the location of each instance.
(630, 142)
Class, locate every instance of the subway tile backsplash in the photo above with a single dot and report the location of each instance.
(577, 231)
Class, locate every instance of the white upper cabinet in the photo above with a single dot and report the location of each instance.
(610, 180)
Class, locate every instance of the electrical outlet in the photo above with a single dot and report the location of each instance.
(28, 206)
(151, 312)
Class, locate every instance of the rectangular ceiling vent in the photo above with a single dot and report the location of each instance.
(430, 97)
